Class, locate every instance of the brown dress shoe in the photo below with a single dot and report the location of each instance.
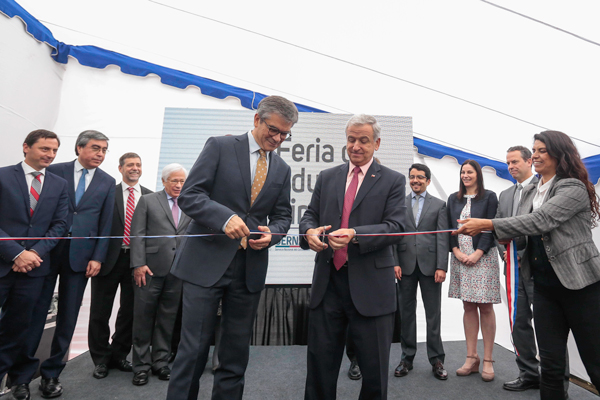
(439, 371)
(402, 369)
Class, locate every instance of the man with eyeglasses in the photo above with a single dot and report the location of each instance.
(91, 202)
(156, 293)
(238, 184)
(422, 261)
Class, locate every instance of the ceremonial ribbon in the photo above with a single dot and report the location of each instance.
(512, 284)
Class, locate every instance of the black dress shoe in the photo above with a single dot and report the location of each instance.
(439, 371)
(100, 372)
(140, 378)
(171, 357)
(21, 392)
(518, 385)
(354, 371)
(403, 368)
(121, 365)
(164, 373)
(50, 388)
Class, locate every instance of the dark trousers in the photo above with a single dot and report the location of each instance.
(154, 314)
(431, 294)
(104, 290)
(557, 311)
(523, 334)
(18, 296)
(200, 306)
(327, 327)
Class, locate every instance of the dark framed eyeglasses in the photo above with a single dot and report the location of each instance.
(275, 131)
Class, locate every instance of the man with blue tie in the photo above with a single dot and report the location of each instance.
(33, 203)
(91, 202)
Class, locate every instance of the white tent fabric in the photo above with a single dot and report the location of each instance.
(340, 57)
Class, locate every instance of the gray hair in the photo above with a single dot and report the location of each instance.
(364, 119)
(280, 106)
(525, 152)
(169, 169)
(84, 138)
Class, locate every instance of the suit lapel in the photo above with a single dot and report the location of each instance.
(182, 222)
(92, 188)
(371, 177)
(511, 203)
(340, 185)
(242, 150)
(22, 184)
(162, 199)
(68, 173)
(119, 199)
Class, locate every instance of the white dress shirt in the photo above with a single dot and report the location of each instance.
(29, 178)
(77, 175)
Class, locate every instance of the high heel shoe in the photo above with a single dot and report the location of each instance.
(473, 369)
(487, 376)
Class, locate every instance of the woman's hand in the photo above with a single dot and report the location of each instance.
(473, 226)
(473, 258)
(460, 256)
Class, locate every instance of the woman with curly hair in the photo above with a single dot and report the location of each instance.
(557, 217)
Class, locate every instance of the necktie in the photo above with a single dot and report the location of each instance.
(257, 184)
(516, 199)
(416, 208)
(340, 256)
(128, 215)
(35, 191)
(80, 187)
(175, 212)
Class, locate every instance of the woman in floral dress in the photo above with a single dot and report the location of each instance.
(474, 272)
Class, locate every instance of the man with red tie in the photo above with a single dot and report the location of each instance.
(353, 285)
(114, 273)
(33, 203)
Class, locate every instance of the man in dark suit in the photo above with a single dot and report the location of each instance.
(423, 261)
(238, 184)
(157, 293)
(518, 160)
(353, 284)
(115, 272)
(33, 203)
(91, 202)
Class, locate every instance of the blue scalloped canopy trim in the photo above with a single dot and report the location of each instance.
(96, 57)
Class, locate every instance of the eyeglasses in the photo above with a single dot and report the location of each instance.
(97, 149)
(176, 181)
(275, 131)
(419, 177)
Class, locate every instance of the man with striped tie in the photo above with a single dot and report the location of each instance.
(114, 273)
(33, 203)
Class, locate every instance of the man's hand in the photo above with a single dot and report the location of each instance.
(314, 242)
(473, 226)
(340, 238)
(27, 260)
(398, 272)
(440, 275)
(263, 242)
(236, 228)
(504, 256)
(17, 269)
(93, 268)
(139, 275)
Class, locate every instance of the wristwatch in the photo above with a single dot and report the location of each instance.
(355, 238)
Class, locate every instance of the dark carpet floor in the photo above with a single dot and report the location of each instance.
(279, 372)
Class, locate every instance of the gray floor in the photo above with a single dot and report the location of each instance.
(278, 372)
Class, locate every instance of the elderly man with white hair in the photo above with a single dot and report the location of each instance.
(157, 293)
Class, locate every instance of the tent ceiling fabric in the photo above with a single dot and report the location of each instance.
(97, 57)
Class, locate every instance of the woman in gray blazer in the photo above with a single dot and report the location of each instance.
(556, 217)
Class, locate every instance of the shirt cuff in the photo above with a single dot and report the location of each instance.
(17, 256)
(226, 222)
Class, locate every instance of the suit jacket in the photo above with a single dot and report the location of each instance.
(217, 187)
(91, 217)
(485, 207)
(505, 209)
(117, 229)
(564, 221)
(378, 208)
(49, 218)
(153, 217)
(430, 251)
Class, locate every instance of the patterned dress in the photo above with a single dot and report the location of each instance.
(480, 283)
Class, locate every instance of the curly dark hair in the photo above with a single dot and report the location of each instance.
(569, 164)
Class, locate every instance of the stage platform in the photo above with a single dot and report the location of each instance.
(279, 372)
